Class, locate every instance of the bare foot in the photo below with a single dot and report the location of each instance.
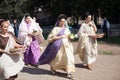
(89, 67)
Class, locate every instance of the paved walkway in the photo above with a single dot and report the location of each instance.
(106, 67)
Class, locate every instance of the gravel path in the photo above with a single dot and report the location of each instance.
(106, 67)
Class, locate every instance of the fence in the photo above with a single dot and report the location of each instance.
(112, 32)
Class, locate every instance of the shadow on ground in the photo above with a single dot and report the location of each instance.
(32, 70)
(80, 66)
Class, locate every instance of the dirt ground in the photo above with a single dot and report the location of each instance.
(106, 67)
(105, 47)
(113, 48)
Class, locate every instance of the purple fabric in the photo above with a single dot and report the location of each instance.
(28, 26)
(32, 53)
(51, 50)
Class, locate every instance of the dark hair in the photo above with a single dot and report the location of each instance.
(86, 14)
(26, 15)
(1, 21)
(61, 16)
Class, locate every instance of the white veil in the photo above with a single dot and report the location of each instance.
(23, 31)
(66, 24)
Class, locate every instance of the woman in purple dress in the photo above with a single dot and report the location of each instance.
(59, 52)
(27, 36)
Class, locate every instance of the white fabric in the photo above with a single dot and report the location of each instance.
(39, 28)
(64, 59)
(39, 37)
(11, 29)
(87, 46)
(24, 31)
(10, 65)
(66, 24)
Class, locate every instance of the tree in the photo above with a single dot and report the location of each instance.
(11, 9)
(17, 8)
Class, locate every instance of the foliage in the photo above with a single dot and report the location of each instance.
(105, 53)
(76, 8)
(11, 9)
(79, 7)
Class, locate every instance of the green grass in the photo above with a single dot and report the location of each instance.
(105, 53)
(111, 40)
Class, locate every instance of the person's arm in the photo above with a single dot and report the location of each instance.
(3, 51)
(93, 35)
(55, 38)
(93, 25)
(82, 31)
(53, 35)
(58, 37)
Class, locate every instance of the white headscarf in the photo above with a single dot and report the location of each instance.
(66, 24)
(24, 31)
(23, 25)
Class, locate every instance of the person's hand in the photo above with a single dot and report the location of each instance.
(6, 52)
(30, 34)
(96, 36)
(19, 46)
(58, 37)
(63, 36)
(91, 24)
(93, 36)
(3, 51)
(100, 35)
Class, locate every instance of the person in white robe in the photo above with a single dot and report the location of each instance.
(87, 43)
(10, 63)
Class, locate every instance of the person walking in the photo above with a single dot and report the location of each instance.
(59, 52)
(87, 43)
(10, 63)
(27, 36)
(16, 27)
(106, 27)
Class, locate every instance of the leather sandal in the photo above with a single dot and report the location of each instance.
(53, 72)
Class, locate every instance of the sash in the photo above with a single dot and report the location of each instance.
(51, 50)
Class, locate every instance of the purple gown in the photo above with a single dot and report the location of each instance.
(51, 50)
(32, 53)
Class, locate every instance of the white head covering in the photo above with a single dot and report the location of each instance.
(66, 24)
(23, 24)
(24, 30)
